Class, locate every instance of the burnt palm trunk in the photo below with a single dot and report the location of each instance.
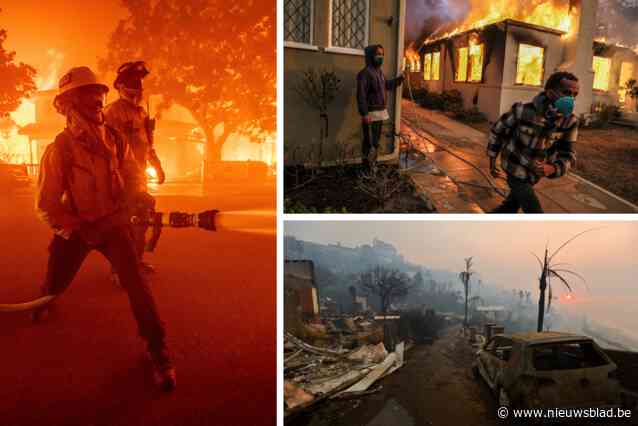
(466, 301)
(541, 298)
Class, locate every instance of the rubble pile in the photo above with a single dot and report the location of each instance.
(313, 374)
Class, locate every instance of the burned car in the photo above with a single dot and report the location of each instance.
(548, 370)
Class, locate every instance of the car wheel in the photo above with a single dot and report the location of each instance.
(503, 398)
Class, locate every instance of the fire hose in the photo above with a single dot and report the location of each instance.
(492, 186)
(210, 220)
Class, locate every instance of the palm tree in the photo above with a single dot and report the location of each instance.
(551, 270)
(465, 279)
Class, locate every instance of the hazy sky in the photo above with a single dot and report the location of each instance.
(79, 30)
(501, 250)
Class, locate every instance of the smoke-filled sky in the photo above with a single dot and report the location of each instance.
(63, 33)
(501, 250)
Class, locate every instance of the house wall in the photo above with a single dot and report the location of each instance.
(512, 92)
(485, 92)
(301, 122)
(578, 53)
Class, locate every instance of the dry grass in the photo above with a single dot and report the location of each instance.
(609, 158)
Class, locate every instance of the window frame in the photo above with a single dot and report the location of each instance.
(348, 50)
(469, 63)
(608, 78)
(431, 76)
(518, 55)
(622, 98)
(300, 45)
(438, 77)
(458, 63)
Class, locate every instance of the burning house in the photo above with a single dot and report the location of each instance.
(504, 51)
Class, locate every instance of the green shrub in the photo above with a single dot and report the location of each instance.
(472, 115)
(432, 100)
(452, 101)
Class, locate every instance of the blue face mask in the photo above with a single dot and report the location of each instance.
(565, 105)
(378, 60)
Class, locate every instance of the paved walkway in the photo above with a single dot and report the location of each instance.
(439, 170)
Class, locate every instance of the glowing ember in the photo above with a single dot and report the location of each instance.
(529, 68)
(602, 68)
(553, 14)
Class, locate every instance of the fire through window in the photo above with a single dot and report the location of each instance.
(626, 73)
(602, 68)
(476, 62)
(436, 64)
(470, 64)
(431, 63)
(461, 69)
(529, 68)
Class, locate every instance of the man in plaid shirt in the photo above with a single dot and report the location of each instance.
(535, 140)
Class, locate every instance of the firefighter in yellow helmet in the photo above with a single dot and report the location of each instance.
(132, 121)
(88, 178)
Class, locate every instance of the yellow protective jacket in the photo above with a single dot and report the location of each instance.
(81, 182)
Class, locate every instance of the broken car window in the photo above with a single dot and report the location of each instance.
(567, 356)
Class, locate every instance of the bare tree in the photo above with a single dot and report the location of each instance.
(318, 89)
(389, 285)
(551, 270)
(380, 183)
(465, 279)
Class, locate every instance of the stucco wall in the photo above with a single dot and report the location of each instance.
(301, 122)
(551, 42)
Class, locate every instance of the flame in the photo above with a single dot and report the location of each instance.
(476, 61)
(553, 14)
(529, 69)
(151, 173)
(411, 60)
(14, 148)
(50, 79)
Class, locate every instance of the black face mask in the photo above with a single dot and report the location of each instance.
(378, 60)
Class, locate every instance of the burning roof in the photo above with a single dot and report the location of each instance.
(548, 14)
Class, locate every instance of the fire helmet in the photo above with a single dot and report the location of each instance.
(79, 77)
(130, 75)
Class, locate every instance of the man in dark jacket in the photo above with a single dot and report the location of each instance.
(372, 98)
(535, 140)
